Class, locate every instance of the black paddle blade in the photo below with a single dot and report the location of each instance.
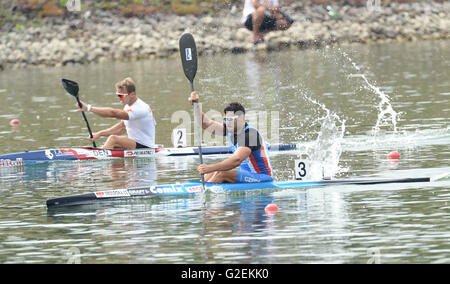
(188, 52)
(71, 87)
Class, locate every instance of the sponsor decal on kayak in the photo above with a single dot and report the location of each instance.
(85, 154)
(166, 189)
(139, 153)
(181, 150)
(139, 191)
(8, 163)
(194, 189)
(112, 193)
(51, 154)
(129, 154)
(175, 188)
(102, 153)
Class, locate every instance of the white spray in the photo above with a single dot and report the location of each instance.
(325, 152)
(386, 112)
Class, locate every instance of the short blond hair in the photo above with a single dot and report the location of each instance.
(126, 84)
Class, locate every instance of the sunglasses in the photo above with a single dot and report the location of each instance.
(230, 119)
(122, 96)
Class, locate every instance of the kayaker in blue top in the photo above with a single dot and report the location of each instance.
(250, 152)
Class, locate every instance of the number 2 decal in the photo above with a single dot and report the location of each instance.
(179, 138)
(180, 134)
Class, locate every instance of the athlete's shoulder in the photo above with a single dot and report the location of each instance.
(253, 139)
(251, 131)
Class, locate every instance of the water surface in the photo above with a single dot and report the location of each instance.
(346, 107)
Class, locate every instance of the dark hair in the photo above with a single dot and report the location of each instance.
(235, 107)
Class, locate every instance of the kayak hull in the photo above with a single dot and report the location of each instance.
(87, 153)
(195, 187)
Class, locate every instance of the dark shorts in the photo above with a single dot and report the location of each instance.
(140, 146)
(268, 24)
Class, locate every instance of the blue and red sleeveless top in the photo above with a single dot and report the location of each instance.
(258, 161)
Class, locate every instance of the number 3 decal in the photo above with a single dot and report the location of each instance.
(302, 170)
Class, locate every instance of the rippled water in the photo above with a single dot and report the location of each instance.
(330, 101)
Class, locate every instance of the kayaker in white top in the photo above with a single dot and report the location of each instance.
(136, 120)
(263, 16)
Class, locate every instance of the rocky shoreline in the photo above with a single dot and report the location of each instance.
(98, 35)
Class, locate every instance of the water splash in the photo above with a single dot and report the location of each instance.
(325, 152)
(386, 114)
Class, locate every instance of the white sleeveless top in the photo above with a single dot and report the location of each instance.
(141, 124)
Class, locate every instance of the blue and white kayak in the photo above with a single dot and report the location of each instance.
(194, 187)
(87, 153)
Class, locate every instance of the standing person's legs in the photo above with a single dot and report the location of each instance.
(281, 23)
(260, 24)
(258, 18)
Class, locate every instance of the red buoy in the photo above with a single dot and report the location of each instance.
(14, 122)
(394, 155)
(271, 209)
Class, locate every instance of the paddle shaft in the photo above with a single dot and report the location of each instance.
(188, 53)
(87, 123)
(198, 126)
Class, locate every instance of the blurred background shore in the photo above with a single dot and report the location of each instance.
(56, 33)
